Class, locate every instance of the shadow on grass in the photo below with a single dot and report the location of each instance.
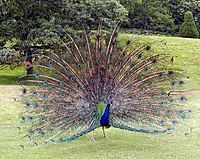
(9, 79)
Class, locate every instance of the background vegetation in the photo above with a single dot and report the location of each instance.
(188, 29)
(27, 28)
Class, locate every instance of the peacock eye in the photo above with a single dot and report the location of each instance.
(36, 75)
(34, 92)
(36, 106)
(71, 79)
(50, 63)
(62, 83)
(79, 66)
(31, 132)
(91, 81)
(44, 83)
(100, 72)
(66, 69)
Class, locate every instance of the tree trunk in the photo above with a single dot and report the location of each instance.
(29, 70)
(145, 18)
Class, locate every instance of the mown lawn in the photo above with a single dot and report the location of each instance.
(120, 144)
(8, 76)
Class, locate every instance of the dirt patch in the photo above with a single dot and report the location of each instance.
(9, 93)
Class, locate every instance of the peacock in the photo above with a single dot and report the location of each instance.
(94, 82)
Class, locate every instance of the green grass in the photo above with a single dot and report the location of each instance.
(120, 144)
(8, 76)
(185, 51)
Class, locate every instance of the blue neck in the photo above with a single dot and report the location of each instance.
(104, 121)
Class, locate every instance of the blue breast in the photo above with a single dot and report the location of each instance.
(104, 121)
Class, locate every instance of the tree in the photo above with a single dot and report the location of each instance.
(194, 7)
(188, 28)
(149, 15)
(179, 7)
(41, 24)
(89, 13)
(19, 17)
(161, 20)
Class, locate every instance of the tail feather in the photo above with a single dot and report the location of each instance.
(70, 89)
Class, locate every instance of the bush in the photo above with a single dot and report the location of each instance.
(10, 57)
(189, 29)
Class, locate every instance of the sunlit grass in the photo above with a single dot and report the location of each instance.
(8, 76)
(120, 144)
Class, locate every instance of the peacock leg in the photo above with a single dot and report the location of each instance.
(104, 133)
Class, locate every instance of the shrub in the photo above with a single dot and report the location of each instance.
(189, 29)
(10, 57)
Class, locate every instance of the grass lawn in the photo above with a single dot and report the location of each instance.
(120, 144)
(8, 76)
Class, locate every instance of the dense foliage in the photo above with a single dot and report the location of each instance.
(160, 15)
(9, 57)
(149, 15)
(41, 24)
(188, 29)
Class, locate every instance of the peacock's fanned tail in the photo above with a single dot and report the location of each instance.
(70, 87)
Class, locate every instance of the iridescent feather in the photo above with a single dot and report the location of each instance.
(96, 83)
